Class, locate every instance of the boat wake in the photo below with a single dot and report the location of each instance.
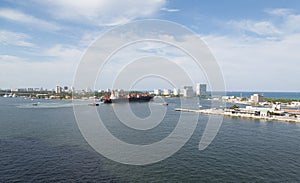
(44, 105)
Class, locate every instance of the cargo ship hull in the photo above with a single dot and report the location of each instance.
(131, 99)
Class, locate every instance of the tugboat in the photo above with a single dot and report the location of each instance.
(133, 97)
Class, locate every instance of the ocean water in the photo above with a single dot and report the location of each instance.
(43, 144)
(278, 95)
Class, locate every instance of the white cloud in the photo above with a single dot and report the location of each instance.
(63, 53)
(58, 67)
(169, 9)
(17, 72)
(292, 23)
(279, 11)
(260, 27)
(14, 38)
(103, 12)
(21, 17)
(261, 65)
(260, 54)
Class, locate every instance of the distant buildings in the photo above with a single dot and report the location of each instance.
(257, 98)
(166, 92)
(187, 91)
(58, 89)
(201, 90)
(157, 91)
(88, 90)
(176, 92)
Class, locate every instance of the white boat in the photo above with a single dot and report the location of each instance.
(5, 96)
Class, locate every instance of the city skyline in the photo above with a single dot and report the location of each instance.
(255, 43)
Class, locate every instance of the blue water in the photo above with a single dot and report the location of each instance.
(40, 144)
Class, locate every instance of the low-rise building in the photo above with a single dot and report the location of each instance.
(257, 98)
(254, 111)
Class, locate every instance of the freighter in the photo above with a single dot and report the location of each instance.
(133, 97)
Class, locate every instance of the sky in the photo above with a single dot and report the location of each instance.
(255, 42)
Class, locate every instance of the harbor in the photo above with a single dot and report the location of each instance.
(253, 113)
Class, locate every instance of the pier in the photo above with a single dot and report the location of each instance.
(238, 115)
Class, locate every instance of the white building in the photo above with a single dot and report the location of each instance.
(166, 92)
(187, 91)
(294, 104)
(157, 91)
(257, 98)
(201, 89)
(175, 91)
(58, 89)
(88, 90)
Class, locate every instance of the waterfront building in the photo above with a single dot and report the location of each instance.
(72, 89)
(58, 89)
(249, 111)
(201, 89)
(257, 98)
(187, 91)
(175, 91)
(294, 104)
(22, 90)
(157, 91)
(166, 92)
(88, 90)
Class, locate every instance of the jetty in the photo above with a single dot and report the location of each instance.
(245, 113)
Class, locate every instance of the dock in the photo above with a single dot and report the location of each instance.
(248, 116)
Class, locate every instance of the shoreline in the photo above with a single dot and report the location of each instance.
(247, 116)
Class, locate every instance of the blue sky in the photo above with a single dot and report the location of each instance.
(255, 42)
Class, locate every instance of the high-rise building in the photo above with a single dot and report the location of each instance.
(200, 89)
(157, 91)
(175, 91)
(187, 91)
(58, 89)
(166, 92)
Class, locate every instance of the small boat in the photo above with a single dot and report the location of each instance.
(165, 103)
(93, 104)
(35, 104)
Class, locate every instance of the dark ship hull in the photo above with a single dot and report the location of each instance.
(130, 99)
